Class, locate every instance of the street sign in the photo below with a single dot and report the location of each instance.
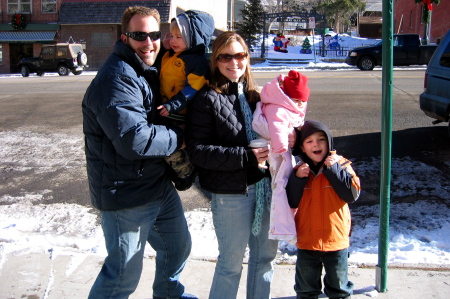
(312, 23)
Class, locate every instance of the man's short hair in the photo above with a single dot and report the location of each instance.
(138, 10)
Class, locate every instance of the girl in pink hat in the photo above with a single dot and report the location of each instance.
(282, 109)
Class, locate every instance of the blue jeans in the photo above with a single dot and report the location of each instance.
(162, 224)
(309, 270)
(233, 217)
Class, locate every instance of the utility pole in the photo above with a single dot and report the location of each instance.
(386, 145)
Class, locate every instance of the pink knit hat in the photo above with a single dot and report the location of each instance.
(295, 85)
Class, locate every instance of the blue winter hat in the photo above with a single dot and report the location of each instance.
(200, 27)
(183, 25)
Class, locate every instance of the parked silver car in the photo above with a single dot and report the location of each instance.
(435, 100)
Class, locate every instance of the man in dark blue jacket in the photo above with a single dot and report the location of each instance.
(125, 152)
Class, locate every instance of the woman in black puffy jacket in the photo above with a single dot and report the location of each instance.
(218, 133)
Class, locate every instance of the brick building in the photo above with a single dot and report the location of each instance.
(370, 21)
(28, 24)
(31, 30)
(408, 19)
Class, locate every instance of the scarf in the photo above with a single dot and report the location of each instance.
(263, 188)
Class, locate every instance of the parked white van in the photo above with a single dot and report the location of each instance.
(435, 100)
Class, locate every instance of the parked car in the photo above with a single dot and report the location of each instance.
(62, 58)
(407, 50)
(435, 100)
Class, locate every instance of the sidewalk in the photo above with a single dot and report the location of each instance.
(34, 275)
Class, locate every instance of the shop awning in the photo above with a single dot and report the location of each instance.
(26, 36)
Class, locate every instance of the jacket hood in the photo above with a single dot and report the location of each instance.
(200, 27)
(272, 93)
(310, 127)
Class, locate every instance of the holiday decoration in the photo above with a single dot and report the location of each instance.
(18, 22)
(427, 7)
(285, 41)
(428, 3)
(280, 43)
(306, 47)
(277, 43)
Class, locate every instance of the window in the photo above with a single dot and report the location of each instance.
(445, 58)
(19, 6)
(62, 52)
(398, 41)
(48, 52)
(410, 19)
(75, 49)
(48, 6)
(101, 40)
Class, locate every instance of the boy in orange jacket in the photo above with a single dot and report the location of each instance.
(320, 188)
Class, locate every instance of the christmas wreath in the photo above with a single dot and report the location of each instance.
(426, 8)
(428, 3)
(18, 22)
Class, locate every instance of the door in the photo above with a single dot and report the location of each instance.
(48, 58)
(400, 56)
(412, 47)
(16, 53)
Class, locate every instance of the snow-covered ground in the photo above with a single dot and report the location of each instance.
(419, 231)
(314, 60)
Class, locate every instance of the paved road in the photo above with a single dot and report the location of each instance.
(40, 114)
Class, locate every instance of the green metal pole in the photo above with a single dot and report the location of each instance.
(314, 47)
(263, 45)
(386, 145)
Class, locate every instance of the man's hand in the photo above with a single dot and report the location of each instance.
(163, 111)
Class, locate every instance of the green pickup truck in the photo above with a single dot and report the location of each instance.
(407, 50)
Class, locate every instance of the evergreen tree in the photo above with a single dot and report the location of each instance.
(252, 22)
(337, 11)
(306, 47)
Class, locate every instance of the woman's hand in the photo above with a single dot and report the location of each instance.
(302, 171)
(261, 154)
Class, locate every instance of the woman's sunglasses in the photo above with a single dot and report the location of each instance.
(142, 36)
(227, 57)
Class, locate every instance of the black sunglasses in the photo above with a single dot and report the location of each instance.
(142, 36)
(227, 57)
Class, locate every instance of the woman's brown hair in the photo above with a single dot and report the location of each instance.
(219, 82)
